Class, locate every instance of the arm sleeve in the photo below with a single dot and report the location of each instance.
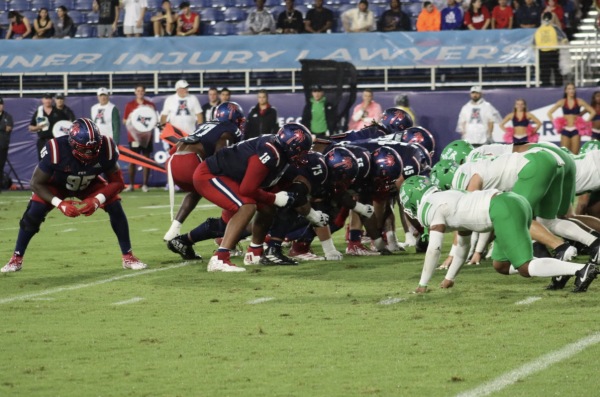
(116, 125)
(432, 257)
(255, 175)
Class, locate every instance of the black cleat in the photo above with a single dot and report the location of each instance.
(565, 252)
(585, 276)
(422, 245)
(540, 250)
(273, 256)
(182, 247)
(558, 283)
(595, 251)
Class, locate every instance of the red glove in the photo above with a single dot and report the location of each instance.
(90, 206)
(67, 208)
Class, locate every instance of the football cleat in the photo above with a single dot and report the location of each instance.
(131, 262)
(585, 276)
(217, 265)
(253, 256)
(286, 243)
(565, 252)
(274, 257)
(14, 265)
(355, 249)
(595, 251)
(540, 250)
(304, 252)
(558, 283)
(184, 248)
(145, 189)
(129, 188)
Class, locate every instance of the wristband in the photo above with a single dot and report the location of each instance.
(56, 201)
(101, 198)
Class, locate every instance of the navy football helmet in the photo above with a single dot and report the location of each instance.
(230, 112)
(295, 140)
(343, 168)
(423, 157)
(387, 166)
(85, 139)
(396, 120)
(421, 136)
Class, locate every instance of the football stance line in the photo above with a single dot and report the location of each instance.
(529, 300)
(132, 300)
(538, 365)
(259, 300)
(99, 282)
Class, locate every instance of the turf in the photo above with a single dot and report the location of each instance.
(326, 331)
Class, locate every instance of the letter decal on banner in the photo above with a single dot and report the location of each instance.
(447, 53)
(121, 59)
(141, 57)
(19, 59)
(420, 55)
(90, 59)
(341, 54)
(56, 60)
(237, 56)
(384, 53)
(196, 55)
(180, 56)
(485, 51)
(264, 57)
(303, 55)
(3, 59)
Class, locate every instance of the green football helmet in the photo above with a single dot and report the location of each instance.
(564, 149)
(457, 151)
(412, 192)
(589, 146)
(442, 174)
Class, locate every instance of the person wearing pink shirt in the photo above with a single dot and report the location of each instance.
(365, 112)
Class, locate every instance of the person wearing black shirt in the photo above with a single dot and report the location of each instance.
(108, 16)
(60, 105)
(318, 19)
(290, 21)
(394, 19)
(43, 120)
(6, 126)
(213, 101)
(262, 118)
(528, 15)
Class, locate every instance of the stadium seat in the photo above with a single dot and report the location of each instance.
(37, 5)
(272, 3)
(223, 4)
(275, 11)
(53, 15)
(377, 11)
(92, 18)
(240, 27)
(77, 17)
(83, 31)
(121, 18)
(413, 10)
(154, 4)
(147, 17)
(66, 3)
(302, 9)
(307, 3)
(4, 19)
(31, 15)
(211, 15)
(234, 14)
(342, 9)
(223, 29)
(2, 6)
(207, 30)
(244, 3)
(83, 5)
(197, 4)
(18, 5)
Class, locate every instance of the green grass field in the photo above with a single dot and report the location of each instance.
(324, 332)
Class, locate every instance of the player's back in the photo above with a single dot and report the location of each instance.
(587, 176)
(494, 149)
(316, 172)
(210, 133)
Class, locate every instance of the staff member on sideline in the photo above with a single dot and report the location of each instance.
(6, 126)
(60, 105)
(182, 110)
(43, 120)
(106, 115)
(262, 118)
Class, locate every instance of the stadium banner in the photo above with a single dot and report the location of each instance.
(461, 48)
(435, 110)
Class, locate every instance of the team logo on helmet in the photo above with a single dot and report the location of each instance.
(232, 108)
(387, 160)
(74, 129)
(297, 137)
(346, 163)
(417, 138)
(398, 115)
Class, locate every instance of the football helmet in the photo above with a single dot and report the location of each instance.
(343, 168)
(85, 139)
(457, 151)
(589, 146)
(387, 168)
(295, 140)
(423, 157)
(442, 174)
(230, 112)
(567, 151)
(396, 120)
(412, 193)
(421, 136)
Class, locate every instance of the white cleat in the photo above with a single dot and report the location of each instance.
(14, 265)
(251, 259)
(131, 262)
(217, 265)
(145, 189)
(359, 250)
(309, 256)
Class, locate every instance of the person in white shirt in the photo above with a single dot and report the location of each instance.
(133, 24)
(359, 19)
(106, 115)
(476, 119)
(260, 21)
(182, 110)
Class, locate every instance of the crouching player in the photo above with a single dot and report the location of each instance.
(508, 214)
(70, 167)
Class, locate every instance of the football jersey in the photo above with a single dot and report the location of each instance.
(587, 178)
(316, 173)
(58, 161)
(232, 161)
(495, 149)
(458, 210)
(372, 132)
(209, 134)
(410, 156)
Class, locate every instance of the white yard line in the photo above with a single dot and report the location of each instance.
(68, 230)
(260, 300)
(99, 282)
(149, 230)
(132, 300)
(529, 300)
(538, 365)
(391, 301)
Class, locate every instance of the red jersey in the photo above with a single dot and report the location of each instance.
(130, 107)
(502, 17)
(477, 20)
(188, 23)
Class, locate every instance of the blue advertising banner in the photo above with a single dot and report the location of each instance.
(412, 49)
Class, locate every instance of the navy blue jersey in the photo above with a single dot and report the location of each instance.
(372, 132)
(316, 174)
(58, 161)
(209, 134)
(232, 161)
(410, 156)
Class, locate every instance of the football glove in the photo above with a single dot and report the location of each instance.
(67, 208)
(90, 206)
(284, 199)
(317, 218)
(365, 210)
(334, 256)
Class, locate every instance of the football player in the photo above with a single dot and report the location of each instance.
(70, 167)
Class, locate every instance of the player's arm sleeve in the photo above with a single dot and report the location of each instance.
(460, 256)
(250, 186)
(432, 257)
(47, 153)
(116, 125)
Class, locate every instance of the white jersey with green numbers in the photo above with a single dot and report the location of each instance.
(587, 178)
(495, 149)
(458, 210)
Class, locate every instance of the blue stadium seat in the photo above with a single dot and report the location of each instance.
(31, 15)
(121, 18)
(53, 16)
(377, 11)
(77, 17)
(195, 4)
(83, 31)
(275, 11)
(244, 3)
(37, 5)
(18, 5)
(66, 3)
(342, 9)
(272, 3)
(154, 4)
(306, 2)
(211, 15)
(207, 30)
(222, 3)
(3, 6)
(4, 19)
(302, 9)
(234, 14)
(379, 2)
(413, 10)
(92, 18)
(223, 29)
(330, 2)
(240, 27)
(83, 5)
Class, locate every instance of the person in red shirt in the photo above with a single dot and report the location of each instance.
(140, 92)
(553, 7)
(477, 17)
(188, 23)
(502, 16)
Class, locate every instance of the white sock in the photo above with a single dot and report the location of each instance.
(550, 267)
(328, 246)
(175, 228)
(409, 238)
(255, 246)
(512, 270)
(569, 230)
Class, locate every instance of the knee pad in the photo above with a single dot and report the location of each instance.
(33, 217)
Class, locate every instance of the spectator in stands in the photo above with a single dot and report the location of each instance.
(318, 19)
(213, 101)
(135, 146)
(394, 19)
(549, 35)
(106, 116)
(188, 23)
(60, 105)
(182, 110)
(43, 120)
(528, 16)
(502, 16)
(19, 27)
(556, 9)
(108, 16)
(63, 28)
(225, 95)
(260, 21)
(133, 23)
(42, 25)
(290, 21)
(359, 19)
(477, 17)
(164, 21)
(262, 118)
(318, 114)
(452, 16)
(476, 119)
(365, 113)
(6, 127)
(430, 19)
